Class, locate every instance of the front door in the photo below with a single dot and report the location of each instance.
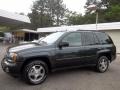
(72, 54)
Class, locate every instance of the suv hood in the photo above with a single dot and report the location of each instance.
(22, 47)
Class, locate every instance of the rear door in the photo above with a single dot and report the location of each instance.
(90, 45)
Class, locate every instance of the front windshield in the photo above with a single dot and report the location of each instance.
(50, 39)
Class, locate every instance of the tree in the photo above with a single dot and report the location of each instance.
(112, 14)
(113, 2)
(39, 20)
(40, 16)
(59, 11)
(47, 13)
(78, 19)
(73, 18)
(89, 18)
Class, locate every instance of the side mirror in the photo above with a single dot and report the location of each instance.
(63, 44)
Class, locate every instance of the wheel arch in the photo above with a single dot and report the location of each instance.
(107, 54)
(41, 58)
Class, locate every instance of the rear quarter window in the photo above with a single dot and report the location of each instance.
(103, 38)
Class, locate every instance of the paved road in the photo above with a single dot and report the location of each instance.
(76, 79)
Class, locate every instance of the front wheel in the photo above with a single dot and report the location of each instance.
(102, 64)
(35, 72)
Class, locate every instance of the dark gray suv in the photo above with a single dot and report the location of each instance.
(59, 50)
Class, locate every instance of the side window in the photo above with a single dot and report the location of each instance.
(96, 40)
(89, 39)
(74, 39)
(103, 38)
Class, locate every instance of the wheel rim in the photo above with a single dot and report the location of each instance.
(36, 73)
(103, 64)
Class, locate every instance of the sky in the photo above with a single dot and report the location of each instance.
(25, 5)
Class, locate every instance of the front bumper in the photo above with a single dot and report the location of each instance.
(11, 68)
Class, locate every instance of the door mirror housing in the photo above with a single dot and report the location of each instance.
(63, 44)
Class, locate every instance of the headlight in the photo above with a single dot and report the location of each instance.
(13, 57)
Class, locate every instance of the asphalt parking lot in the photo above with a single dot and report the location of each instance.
(75, 79)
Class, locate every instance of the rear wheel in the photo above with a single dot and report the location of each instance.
(35, 72)
(102, 64)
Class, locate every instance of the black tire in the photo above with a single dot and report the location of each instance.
(99, 66)
(28, 68)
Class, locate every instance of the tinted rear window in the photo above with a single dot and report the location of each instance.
(103, 38)
(89, 38)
